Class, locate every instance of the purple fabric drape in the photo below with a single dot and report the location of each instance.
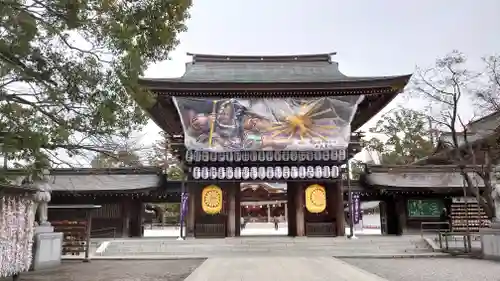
(184, 206)
(356, 207)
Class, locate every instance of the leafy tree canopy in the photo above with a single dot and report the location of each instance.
(160, 156)
(407, 137)
(175, 172)
(69, 70)
(119, 159)
(450, 87)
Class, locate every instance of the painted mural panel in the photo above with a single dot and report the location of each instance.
(295, 124)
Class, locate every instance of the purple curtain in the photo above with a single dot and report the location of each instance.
(184, 206)
(356, 207)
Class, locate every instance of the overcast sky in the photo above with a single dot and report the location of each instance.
(384, 37)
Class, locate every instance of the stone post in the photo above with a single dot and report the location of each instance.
(47, 249)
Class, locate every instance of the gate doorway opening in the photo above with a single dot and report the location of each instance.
(263, 209)
(161, 219)
(370, 219)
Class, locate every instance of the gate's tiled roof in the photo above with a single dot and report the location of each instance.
(298, 69)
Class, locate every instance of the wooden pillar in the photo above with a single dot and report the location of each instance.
(126, 205)
(286, 212)
(401, 213)
(392, 216)
(291, 207)
(237, 216)
(299, 199)
(268, 206)
(136, 221)
(231, 216)
(339, 209)
(190, 218)
(383, 217)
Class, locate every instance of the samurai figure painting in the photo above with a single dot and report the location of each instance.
(262, 124)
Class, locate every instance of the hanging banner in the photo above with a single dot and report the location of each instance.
(184, 206)
(315, 198)
(211, 199)
(356, 204)
(296, 124)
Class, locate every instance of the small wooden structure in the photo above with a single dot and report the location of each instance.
(411, 195)
(75, 222)
(432, 183)
(121, 193)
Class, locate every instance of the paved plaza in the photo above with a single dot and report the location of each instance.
(430, 269)
(279, 268)
(271, 268)
(165, 270)
(265, 258)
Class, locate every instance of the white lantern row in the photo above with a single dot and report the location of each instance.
(254, 173)
(265, 156)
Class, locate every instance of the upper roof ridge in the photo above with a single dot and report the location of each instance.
(326, 57)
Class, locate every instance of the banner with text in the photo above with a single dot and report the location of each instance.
(267, 124)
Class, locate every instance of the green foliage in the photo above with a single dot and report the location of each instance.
(158, 156)
(119, 159)
(357, 168)
(69, 70)
(175, 172)
(449, 87)
(408, 137)
(488, 97)
(161, 156)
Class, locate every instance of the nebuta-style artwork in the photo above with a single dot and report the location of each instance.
(295, 124)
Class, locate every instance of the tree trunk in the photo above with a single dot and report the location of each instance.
(484, 200)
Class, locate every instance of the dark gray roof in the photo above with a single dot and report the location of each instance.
(98, 179)
(103, 182)
(265, 69)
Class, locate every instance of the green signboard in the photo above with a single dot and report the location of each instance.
(424, 208)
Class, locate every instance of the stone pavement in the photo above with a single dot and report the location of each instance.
(279, 269)
(170, 270)
(431, 269)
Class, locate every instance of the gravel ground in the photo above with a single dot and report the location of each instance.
(445, 269)
(165, 270)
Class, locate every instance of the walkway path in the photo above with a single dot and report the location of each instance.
(279, 269)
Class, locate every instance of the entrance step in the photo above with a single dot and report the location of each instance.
(278, 246)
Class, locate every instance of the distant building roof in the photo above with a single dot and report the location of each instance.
(268, 187)
(477, 131)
